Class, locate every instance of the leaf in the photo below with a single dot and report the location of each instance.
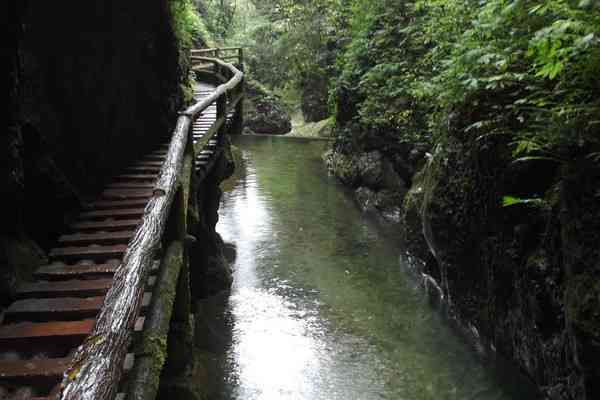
(525, 146)
(585, 41)
(538, 158)
(508, 201)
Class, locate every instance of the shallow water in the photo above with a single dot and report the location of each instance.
(320, 307)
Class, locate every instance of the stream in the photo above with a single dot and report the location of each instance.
(321, 306)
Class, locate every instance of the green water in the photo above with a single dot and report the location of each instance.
(320, 307)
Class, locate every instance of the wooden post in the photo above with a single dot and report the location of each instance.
(241, 59)
(222, 113)
(237, 124)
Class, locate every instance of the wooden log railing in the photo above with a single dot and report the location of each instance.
(222, 53)
(95, 371)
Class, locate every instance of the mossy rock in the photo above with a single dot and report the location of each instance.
(343, 166)
(264, 111)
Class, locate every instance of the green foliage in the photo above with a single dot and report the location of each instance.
(188, 25)
(528, 70)
(508, 201)
(220, 16)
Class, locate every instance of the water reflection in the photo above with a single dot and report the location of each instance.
(319, 308)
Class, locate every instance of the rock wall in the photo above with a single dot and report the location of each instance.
(91, 85)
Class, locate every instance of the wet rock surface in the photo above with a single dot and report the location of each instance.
(379, 188)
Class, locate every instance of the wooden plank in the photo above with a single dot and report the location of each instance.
(33, 371)
(53, 309)
(114, 225)
(140, 177)
(66, 288)
(113, 213)
(116, 204)
(131, 185)
(81, 239)
(122, 194)
(64, 272)
(89, 252)
(48, 334)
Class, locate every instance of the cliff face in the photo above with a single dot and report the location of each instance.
(90, 86)
(525, 276)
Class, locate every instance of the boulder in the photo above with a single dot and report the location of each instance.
(264, 111)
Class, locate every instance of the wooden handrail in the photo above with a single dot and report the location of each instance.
(96, 367)
(216, 53)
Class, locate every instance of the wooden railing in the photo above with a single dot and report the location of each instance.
(96, 368)
(223, 53)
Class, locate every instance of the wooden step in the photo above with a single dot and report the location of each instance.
(141, 169)
(115, 213)
(62, 271)
(67, 288)
(41, 371)
(32, 335)
(131, 185)
(117, 204)
(122, 194)
(53, 309)
(148, 164)
(83, 239)
(60, 309)
(154, 157)
(108, 225)
(89, 252)
(138, 177)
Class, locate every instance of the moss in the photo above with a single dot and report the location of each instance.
(155, 346)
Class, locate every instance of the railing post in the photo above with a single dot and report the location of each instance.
(241, 58)
(222, 111)
(237, 123)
